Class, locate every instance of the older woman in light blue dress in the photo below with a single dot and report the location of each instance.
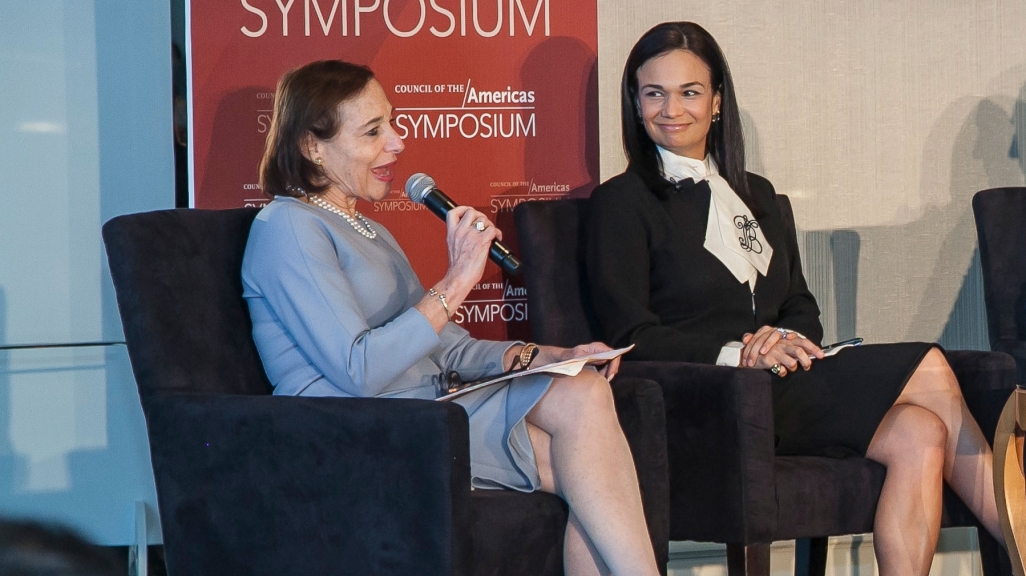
(338, 311)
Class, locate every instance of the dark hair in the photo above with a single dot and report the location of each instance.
(33, 549)
(306, 102)
(725, 142)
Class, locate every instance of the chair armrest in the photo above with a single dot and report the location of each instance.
(719, 428)
(986, 379)
(642, 415)
(1017, 349)
(285, 485)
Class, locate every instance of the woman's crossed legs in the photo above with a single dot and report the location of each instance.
(927, 437)
(584, 458)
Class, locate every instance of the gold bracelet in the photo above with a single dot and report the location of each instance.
(527, 354)
(441, 298)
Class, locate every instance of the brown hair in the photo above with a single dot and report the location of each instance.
(306, 102)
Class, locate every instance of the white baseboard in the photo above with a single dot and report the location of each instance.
(958, 554)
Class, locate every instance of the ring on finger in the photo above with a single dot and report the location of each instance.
(775, 368)
(479, 226)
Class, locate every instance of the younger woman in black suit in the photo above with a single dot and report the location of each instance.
(689, 259)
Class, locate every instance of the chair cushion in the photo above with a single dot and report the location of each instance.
(516, 533)
(826, 496)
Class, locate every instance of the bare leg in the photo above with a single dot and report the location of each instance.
(968, 459)
(910, 442)
(588, 463)
(580, 558)
(579, 555)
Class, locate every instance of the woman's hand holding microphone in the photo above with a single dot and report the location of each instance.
(469, 234)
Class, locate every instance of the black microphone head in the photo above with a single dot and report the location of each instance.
(418, 185)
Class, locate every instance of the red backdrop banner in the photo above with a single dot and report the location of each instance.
(495, 99)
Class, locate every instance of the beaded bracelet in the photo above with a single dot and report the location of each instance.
(527, 354)
(522, 360)
(441, 298)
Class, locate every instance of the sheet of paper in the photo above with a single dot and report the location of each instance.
(565, 368)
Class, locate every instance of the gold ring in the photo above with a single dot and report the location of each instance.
(479, 226)
(775, 369)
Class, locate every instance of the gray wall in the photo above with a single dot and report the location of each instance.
(85, 134)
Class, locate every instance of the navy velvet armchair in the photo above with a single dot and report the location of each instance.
(1000, 214)
(726, 483)
(250, 483)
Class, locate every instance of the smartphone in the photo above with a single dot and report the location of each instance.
(841, 344)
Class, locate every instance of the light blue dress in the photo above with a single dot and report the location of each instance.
(333, 315)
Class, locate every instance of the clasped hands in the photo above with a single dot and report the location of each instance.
(770, 347)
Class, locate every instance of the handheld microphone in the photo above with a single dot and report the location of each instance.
(421, 189)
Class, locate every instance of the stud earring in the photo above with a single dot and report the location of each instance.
(319, 161)
(716, 116)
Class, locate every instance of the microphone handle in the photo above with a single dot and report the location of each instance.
(440, 205)
(504, 258)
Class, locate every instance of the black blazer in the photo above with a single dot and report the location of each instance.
(653, 283)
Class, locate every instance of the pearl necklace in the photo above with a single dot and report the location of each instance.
(363, 226)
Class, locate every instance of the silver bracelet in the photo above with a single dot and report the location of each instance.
(441, 298)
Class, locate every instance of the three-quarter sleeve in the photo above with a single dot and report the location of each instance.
(472, 358)
(295, 267)
(618, 260)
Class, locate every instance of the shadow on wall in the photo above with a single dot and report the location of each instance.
(983, 154)
(980, 159)
(835, 283)
(992, 125)
(845, 246)
(933, 258)
(926, 254)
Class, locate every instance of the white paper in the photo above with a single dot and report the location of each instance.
(565, 368)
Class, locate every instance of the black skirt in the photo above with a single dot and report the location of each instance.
(835, 408)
